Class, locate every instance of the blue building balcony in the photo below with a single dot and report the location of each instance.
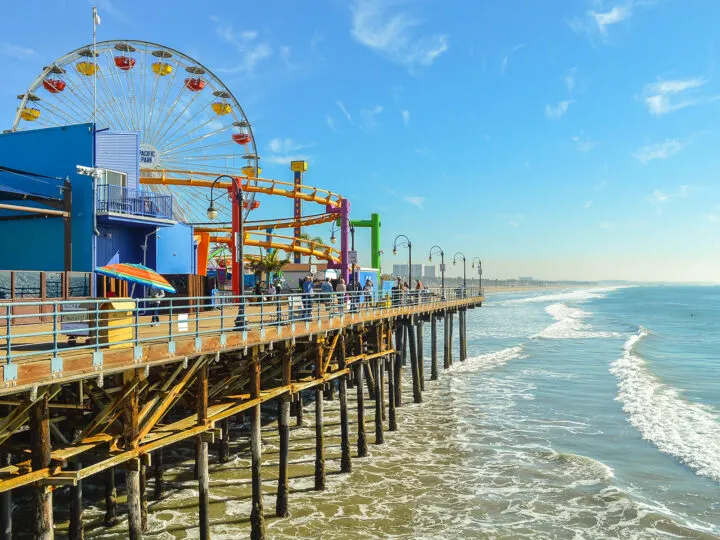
(133, 202)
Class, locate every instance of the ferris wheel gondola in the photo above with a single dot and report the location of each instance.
(187, 118)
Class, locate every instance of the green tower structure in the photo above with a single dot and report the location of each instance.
(374, 225)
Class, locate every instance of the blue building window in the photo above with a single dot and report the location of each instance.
(115, 199)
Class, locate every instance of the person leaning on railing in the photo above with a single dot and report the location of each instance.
(308, 294)
(341, 293)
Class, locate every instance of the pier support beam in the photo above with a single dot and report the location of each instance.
(379, 435)
(399, 361)
(132, 477)
(451, 315)
(159, 471)
(462, 321)
(281, 503)
(224, 445)
(319, 441)
(419, 330)
(76, 529)
(433, 348)
(143, 497)
(417, 395)
(202, 455)
(40, 452)
(447, 358)
(299, 409)
(393, 360)
(257, 519)
(111, 518)
(361, 440)
(345, 460)
(5, 505)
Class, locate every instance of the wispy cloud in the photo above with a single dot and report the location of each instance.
(250, 50)
(583, 142)
(588, 204)
(658, 197)
(607, 224)
(662, 150)
(393, 33)
(559, 110)
(345, 112)
(506, 58)
(405, 117)
(514, 220)
(330, 122)
(570, 80)
(16, 52)
(665, 96)
(369, 115)
(596, 22)
(283, 151)
(415, 201)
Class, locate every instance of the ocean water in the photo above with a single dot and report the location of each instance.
(579, 414)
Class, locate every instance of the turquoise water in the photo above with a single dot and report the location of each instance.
(629, 378)
(580, 414)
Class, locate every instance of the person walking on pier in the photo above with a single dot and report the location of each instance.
(158, 295)
(308, 294)
(341, 290)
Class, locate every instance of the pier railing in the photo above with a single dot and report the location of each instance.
(136, 202)
(71, 326)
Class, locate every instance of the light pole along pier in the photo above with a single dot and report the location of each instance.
(110, 407)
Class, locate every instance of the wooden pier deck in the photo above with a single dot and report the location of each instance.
(71, 413)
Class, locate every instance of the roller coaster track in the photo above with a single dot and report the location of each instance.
(292, 245)
(255, 231)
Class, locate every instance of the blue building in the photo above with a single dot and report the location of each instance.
(114, 220)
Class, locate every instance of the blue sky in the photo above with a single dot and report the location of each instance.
(564, 140)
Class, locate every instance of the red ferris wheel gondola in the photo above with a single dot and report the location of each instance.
(124, 62)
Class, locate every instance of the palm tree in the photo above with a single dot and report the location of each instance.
(268, 264)
(308, 238)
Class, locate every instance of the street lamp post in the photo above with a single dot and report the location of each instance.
(238, 264)
(479, 272)
(407, 243)
(442, 266)
(455, 259)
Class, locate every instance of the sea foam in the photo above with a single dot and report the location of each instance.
(571, 296)
(680, 428)
(569, 324)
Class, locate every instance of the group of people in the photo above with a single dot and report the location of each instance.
(338, 298)
(402, 293)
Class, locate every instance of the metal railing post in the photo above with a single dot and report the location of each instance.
(55, 329)
(97, 326)
(137, 325)
(170, 320)
(8, 327)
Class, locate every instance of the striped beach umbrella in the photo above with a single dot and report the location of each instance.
(136, 273)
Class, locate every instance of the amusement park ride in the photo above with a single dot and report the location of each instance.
(194, 135)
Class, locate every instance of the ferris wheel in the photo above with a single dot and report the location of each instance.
(188, 120)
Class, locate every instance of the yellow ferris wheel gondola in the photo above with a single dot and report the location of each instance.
(29, 113)
(221, 107)
(87, 67)
(162, 68)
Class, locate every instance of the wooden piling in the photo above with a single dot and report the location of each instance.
(159, 471)
(361, 439)
(451, 316)
(281, 502)
(132, 466)
(76, 529)
(111, 518)
(399, 347)
(40, 452)
(257, 519)
(143, 497)
(319, 441)
(447, 360)
(345, 460)
(224, 445)
(379, 435)
(6, 504)
(202, 454)
(393, 360)
(462, 320)
(299, 409)
(419, 330)
(433, 348)
(414, 367)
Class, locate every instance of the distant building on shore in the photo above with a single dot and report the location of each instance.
(429, 271)
(526, 278)
(401, 270)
